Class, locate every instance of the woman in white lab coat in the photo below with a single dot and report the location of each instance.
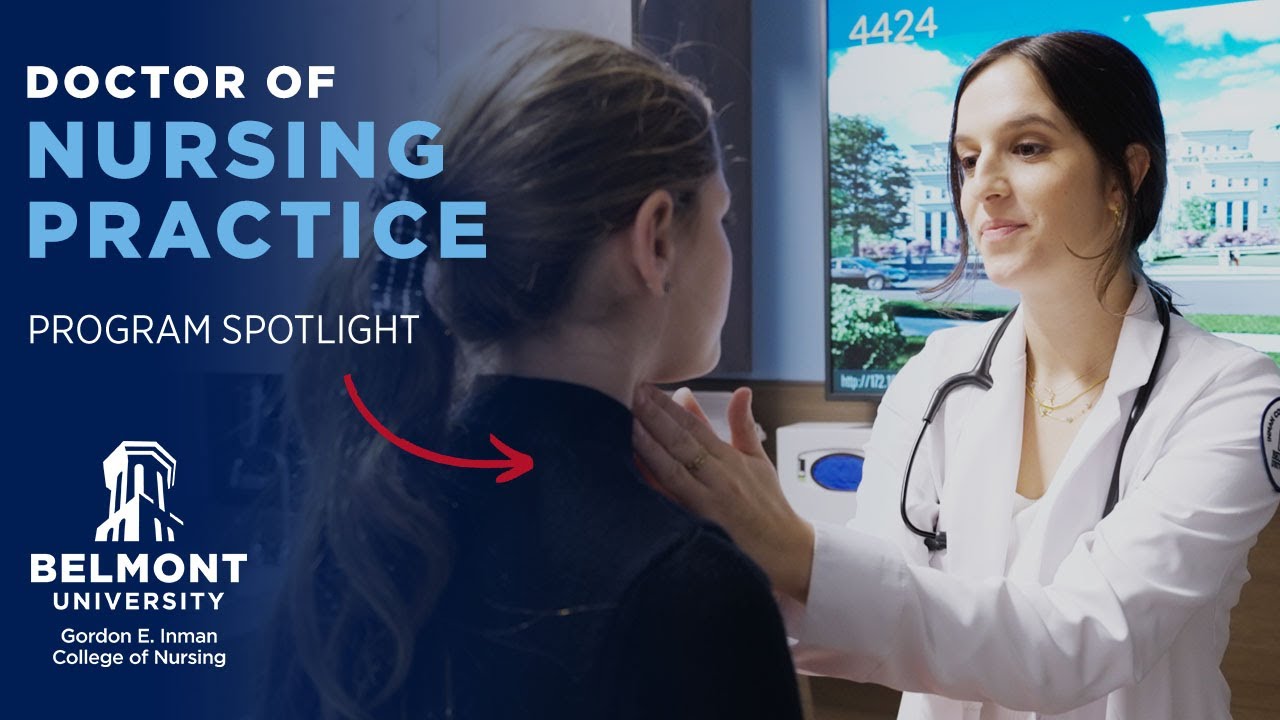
(1038, 606)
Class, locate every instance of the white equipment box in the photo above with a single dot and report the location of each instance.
(820, 466)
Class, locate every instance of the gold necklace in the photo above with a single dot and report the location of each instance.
(1053, 393)
(1069, 419)
(1047, 408)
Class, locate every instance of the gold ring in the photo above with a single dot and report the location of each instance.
(693, 465)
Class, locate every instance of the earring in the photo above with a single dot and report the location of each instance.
(1115, 212)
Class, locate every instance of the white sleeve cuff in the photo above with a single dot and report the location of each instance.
(855, 600)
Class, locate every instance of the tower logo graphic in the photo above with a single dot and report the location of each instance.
(138, 475)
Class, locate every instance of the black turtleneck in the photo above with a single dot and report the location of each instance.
(580, 592)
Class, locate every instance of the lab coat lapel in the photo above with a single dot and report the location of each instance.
(1077, 495)
(980, 482)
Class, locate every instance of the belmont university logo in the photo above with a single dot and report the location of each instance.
(138, 476)
(141, 573)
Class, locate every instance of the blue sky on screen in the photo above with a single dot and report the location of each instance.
(1217, 66)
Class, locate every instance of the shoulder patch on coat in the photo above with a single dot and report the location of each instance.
(1270, 437)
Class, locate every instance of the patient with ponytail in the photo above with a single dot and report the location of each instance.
(575, 590)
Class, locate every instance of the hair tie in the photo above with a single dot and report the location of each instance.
(397, 286)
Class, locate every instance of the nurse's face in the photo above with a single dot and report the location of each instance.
(689, 345)
(1034, 192)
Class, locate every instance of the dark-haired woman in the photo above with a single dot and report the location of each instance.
(574, 590)
(1042, 590)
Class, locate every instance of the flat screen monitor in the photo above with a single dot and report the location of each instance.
(892, 70)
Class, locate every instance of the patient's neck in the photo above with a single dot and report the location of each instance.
(581, 355)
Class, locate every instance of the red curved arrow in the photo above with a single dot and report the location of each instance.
(517, 462)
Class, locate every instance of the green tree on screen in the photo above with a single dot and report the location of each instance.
(869, 182)
(1195, 214)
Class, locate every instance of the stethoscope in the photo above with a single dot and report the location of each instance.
(980, 376)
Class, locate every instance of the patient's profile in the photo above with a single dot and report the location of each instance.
(575, 590)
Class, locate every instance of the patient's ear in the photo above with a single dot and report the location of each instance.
(649, 240)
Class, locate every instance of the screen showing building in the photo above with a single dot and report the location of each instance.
(892, 71)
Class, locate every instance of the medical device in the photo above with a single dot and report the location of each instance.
(980, 377)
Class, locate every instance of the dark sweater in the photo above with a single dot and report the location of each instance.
(580, 592)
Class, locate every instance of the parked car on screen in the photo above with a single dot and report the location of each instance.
(864, 271)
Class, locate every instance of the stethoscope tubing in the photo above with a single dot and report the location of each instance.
(980, 376)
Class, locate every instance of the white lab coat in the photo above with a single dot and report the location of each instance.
(1120, 619)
